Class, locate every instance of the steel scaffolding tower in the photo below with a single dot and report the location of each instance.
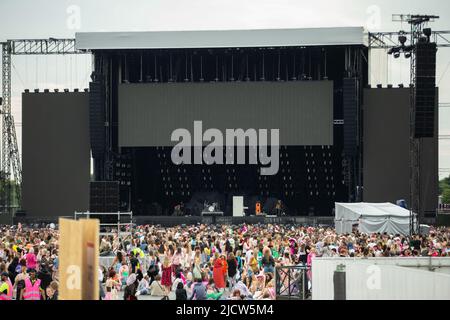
(383, 40)
(10, 159)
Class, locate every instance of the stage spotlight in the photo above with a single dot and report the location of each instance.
(402, 39)
(45, 91)
(66, 90)
(400, 85)
(407, 55)
(396, 55)
(36, 90)
(427, 32)
(56, 90)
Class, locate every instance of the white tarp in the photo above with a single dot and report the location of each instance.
(372, 217)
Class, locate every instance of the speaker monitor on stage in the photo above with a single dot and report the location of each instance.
(258, 208)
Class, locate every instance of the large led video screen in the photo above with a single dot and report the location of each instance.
(301, 110)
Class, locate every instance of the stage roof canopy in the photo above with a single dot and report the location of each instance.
(257, 38)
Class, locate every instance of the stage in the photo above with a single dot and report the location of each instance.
(168, 221)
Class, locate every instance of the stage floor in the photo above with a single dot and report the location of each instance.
(168, 221)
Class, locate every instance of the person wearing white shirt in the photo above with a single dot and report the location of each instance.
(143, 287)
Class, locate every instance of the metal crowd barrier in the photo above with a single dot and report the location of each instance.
(107, 227)
(291, 283)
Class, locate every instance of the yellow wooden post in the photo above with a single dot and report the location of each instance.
(78, 259)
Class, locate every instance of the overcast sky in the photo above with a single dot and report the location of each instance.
(61, 18)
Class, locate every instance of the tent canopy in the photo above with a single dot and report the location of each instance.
(372, 217)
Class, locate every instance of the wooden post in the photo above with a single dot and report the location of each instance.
(79, 259)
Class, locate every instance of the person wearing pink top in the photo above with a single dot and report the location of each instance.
(311, 255)
(176, 260)
(31, 258)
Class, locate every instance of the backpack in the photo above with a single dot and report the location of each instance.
(153, 270)
(239, 263)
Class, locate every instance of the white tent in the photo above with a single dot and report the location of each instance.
(372, 218)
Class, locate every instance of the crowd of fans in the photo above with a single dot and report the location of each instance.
(195, 262)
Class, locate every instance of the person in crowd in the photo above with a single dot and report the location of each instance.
(131, 288)
(157, 289)
(212, 292)
(32, 290)
(52, 291)
(124, 271)
(243, 289)
(31, 258)
(153, 269)
(6, 288)
(267, 261)
(232, 264)
(45, 276)
(144, 286)
(111, 286)
(180, 292)
(178, 279)
(176, 261)
(198, 291)
(236, 295)
(166, 279)
(13, 268)
(105, 247)
(218, 271)
(101, 276)
(19, 281)
(134, 263)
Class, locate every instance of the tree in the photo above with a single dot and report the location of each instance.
(13, 189)
(446, 196)
(444, 184)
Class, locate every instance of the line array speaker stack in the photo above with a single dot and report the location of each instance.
(104, 196)
(350, 107)
(425, 90)
(97, 118)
